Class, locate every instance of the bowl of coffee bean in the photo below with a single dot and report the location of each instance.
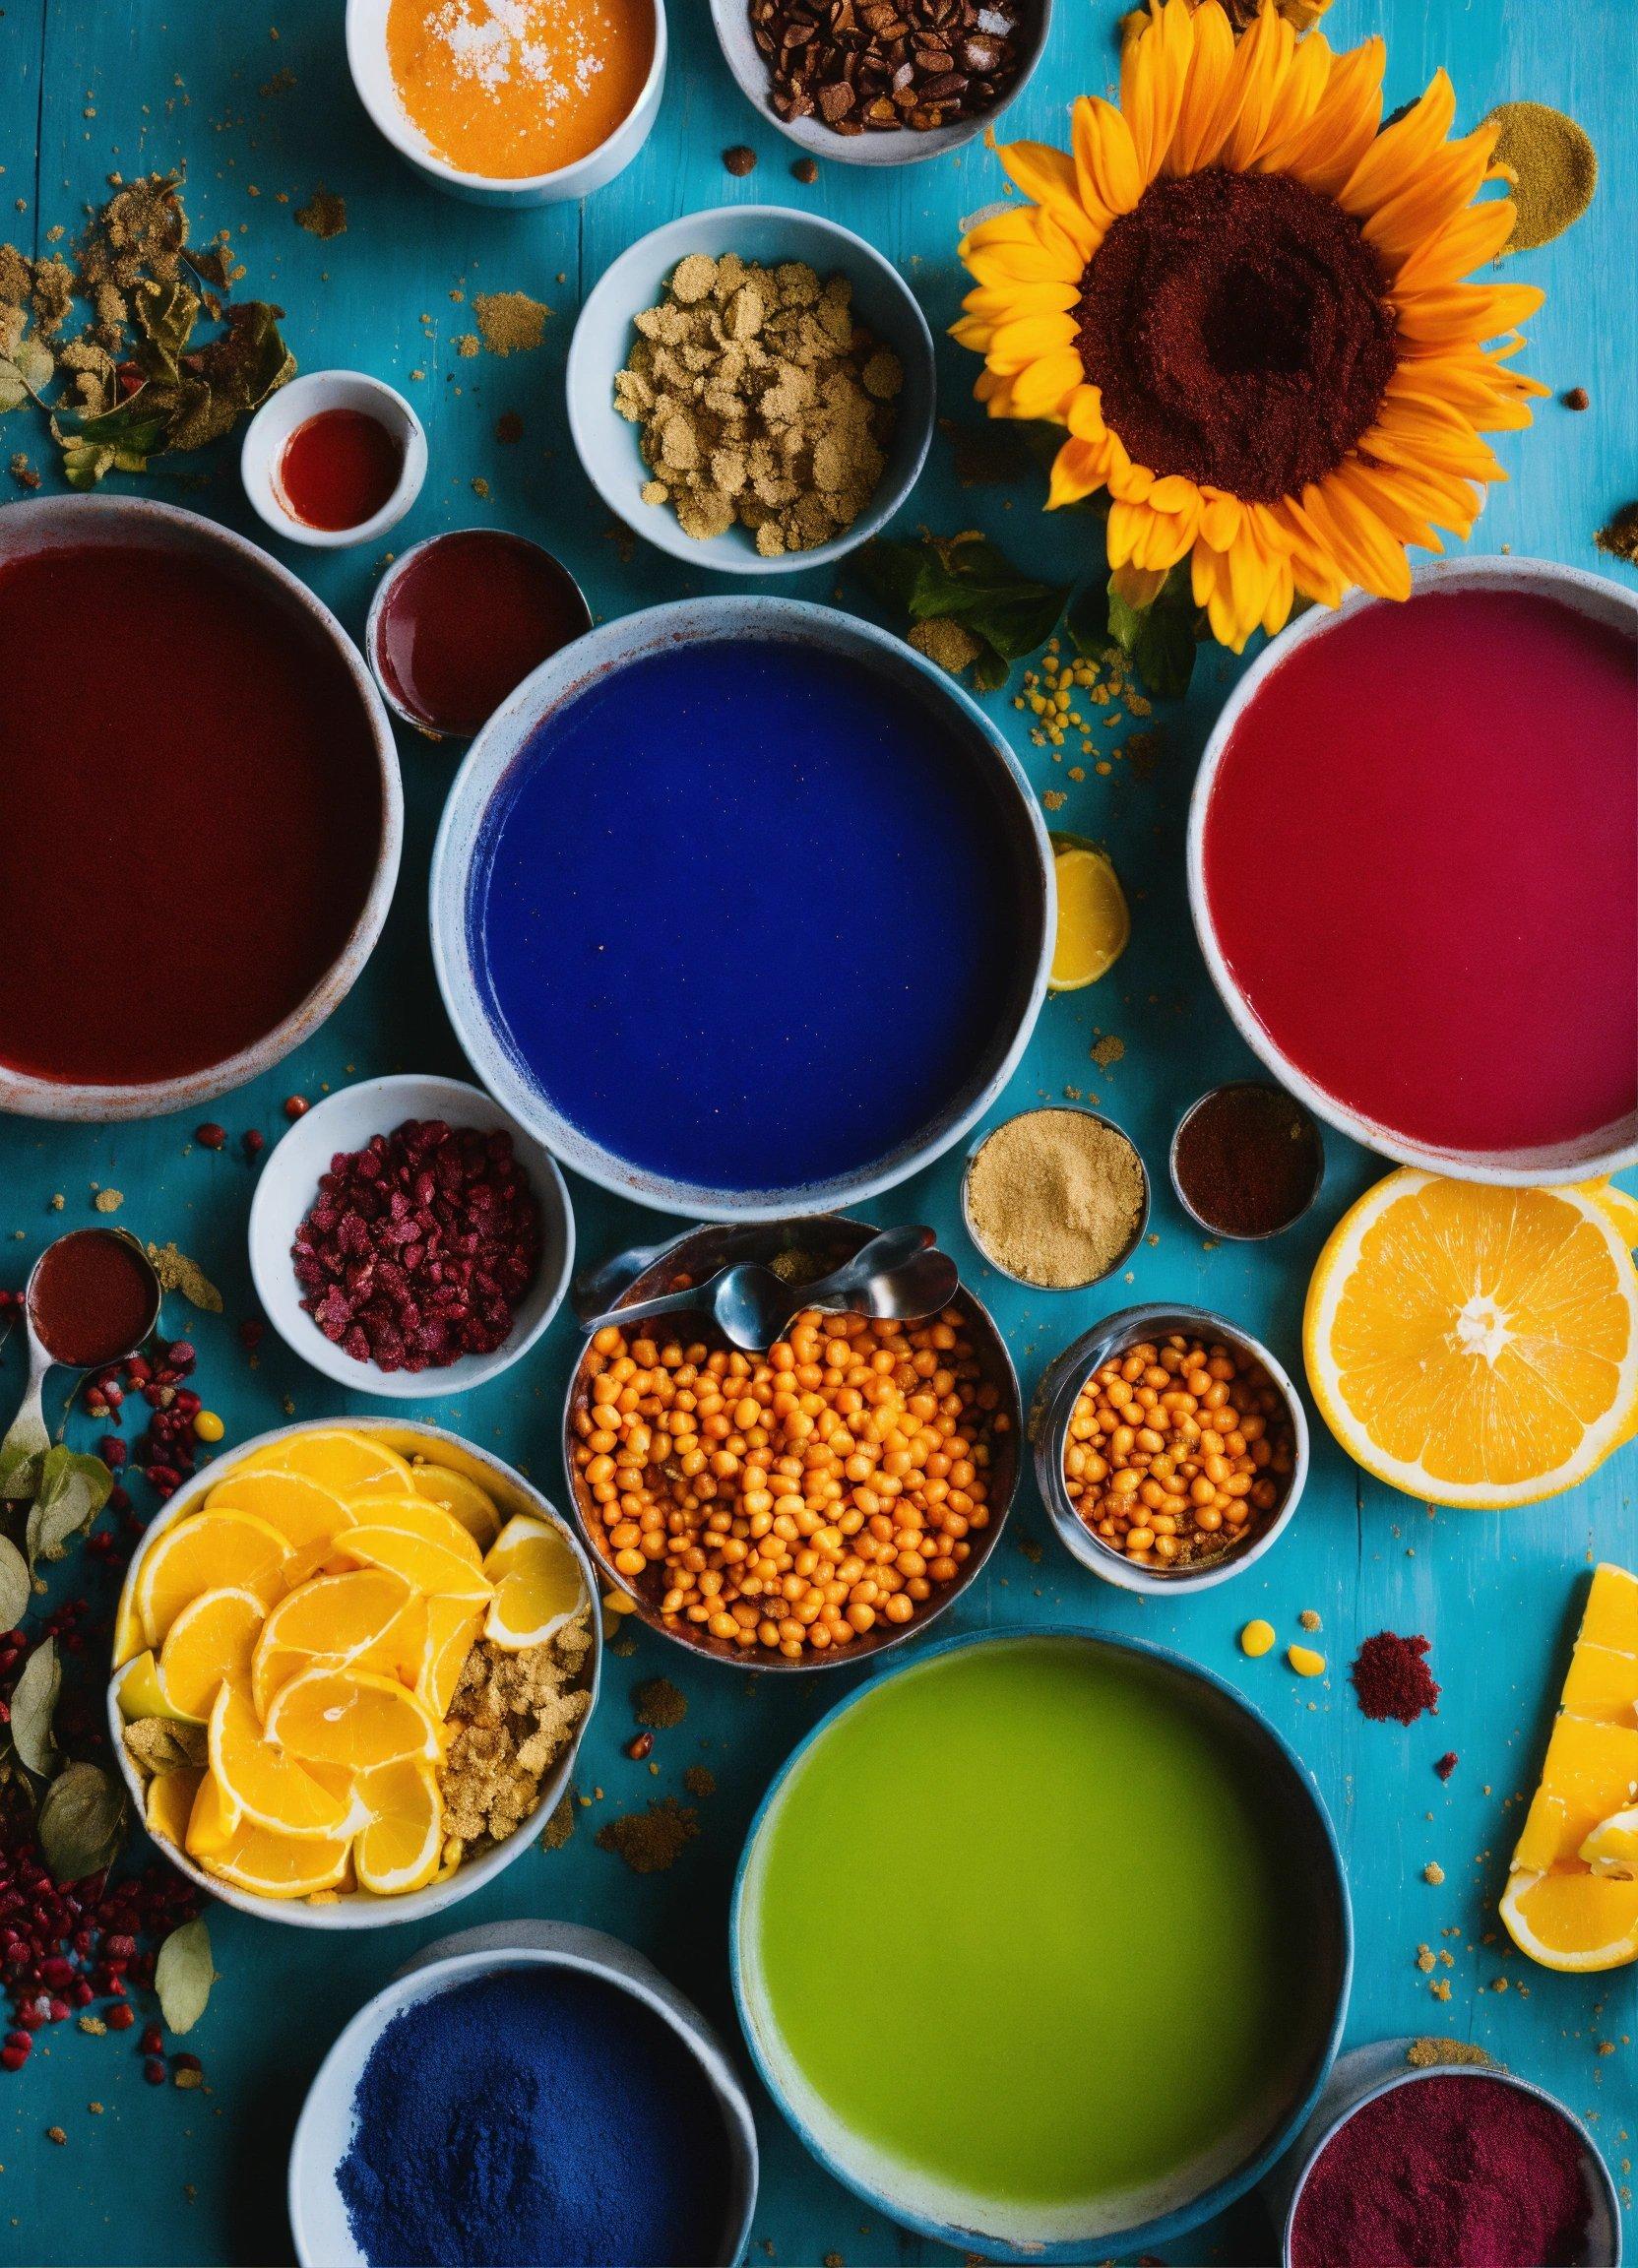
(881, 82)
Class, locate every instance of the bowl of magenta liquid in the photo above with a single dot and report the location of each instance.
(201, 795)
(528, 2091)
(1409, 865)
(742, 908)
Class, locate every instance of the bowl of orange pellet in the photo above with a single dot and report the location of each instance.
(801, 1508)
(1170, 1447)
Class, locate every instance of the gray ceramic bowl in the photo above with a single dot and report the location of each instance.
(1021, 841)
(1049, 1428)
(831, 1239)
(324, 2131)
(51, 523)
(892, 146)
(606, 442)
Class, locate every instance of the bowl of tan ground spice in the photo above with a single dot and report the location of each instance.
(752, 390)
(1056, 1199)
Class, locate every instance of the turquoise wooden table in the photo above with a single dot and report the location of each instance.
(257, 106)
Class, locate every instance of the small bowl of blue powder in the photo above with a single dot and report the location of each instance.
(529, 2092)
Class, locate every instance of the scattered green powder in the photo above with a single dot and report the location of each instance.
(1555, 170)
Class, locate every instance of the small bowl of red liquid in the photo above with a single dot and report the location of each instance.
(1410, 870)
(333, 459)
(462, 619)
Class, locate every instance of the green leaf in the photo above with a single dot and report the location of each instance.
(1158, 639)
(15, 1590)
(22, 1452)
(1087, 620)
(967, 579)
(33, 1705)
(890, 572)
(73, 1490)
(183, 1976)
(166, 314)
(82, 1822)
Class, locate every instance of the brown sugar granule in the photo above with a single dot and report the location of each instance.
(1309, 1620)
(1433, 1872)
(55, 2134)
(658, 1702)
(700, 1780)
(1621, 537)
(511, 1717)
(1577, 398)
(323, 214)
(562, 1823)
(512, 323)
(741, 159)
(1425, 2054)
(52, 293)
(467, 344)
(1106, 1051)
(654, 1839)
(1055, 1196)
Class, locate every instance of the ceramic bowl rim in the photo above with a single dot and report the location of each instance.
(181, 530)
(455, 1959)
(495, 749)
(613, 292)
(898, 146)
(267, 1248)
(1034, 1110)
(1124, 1326)
(361, 1911)
(1586, 593)
(1221, 2194)
(1592, 2155)
(499, 188)
(281, 414)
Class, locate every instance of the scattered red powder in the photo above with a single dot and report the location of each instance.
(1446, 1764)
(1462, 2172)
(1392, 1679)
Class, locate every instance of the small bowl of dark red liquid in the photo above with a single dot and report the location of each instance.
(93, 1299)
(461, 620)
(1247, 1160)
(333, 459)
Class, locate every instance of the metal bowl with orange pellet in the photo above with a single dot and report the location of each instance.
(801, 1509)
(1171, 1448)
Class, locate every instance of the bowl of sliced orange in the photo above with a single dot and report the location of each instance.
(353, 1665)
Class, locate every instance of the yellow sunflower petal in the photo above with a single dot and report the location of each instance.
(1375, 488)
(1043, 389)
(1400, 150)
(1297, 96)
(1154, 73)
(1219, 521)
(1357, 540)
(1326, 150)
(1085, 415)
(1048, 178)
(1266, 70)
(1457, 313)
(1105, 161)
(973, 331)
(1427, 201)
(1013, 346)
(1210, 64)
(1470, 239)
(994, 302)
(1210, 576)
(1313, 570)
(1165, 538)
(1077, 471)
(994, 392)
(1035, 265)
(1130, 483)
(1282, 592)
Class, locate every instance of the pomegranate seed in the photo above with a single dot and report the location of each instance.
(120, 2017)
(152, 2040)
(210, 1136)
(253, 1144)
(154, 2071)
(13, 2058)
(296, 1106)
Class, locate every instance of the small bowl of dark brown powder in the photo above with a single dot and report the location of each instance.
(1247, 1160)
(1056, 1199)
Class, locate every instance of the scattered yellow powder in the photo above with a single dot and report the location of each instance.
(1551, 165)
(1309, 1620)
(467, 344)
(109, 1200)
(1425, 2054)
(512, 323)
(1107, 1049)
(947, 643)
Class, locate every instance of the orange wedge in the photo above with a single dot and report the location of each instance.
(214, 1820)
(450, 1630)
(214, 1637)
(307, 1514)
(272, 1865)
(141, 1692)
(538, 1585)
(353, 1719)
(419, 1516)
(170, 1805)
(399, 1849)
(338, 1459)
(1570, 1919)
(211, 1552)
(426, 1566)
(266, 1784)
(462, 1498)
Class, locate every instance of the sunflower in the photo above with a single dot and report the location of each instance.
(1244, 298)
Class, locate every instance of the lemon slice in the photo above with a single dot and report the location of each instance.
(214, 1637)
(169, 1803)
(475, 1511)
(1094, 924)
(353, 1719)
(211, 1552)
(273, 1866)
(420, 1516)
(424, 1565)
(1568, 1919)
(537, 1582)
(398, 1849)
(1475, 1345)
(338, 1459)
(261, 1781)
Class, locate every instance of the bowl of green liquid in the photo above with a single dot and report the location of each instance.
(1044, 1941)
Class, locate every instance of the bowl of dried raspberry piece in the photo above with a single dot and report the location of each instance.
(410, 1238)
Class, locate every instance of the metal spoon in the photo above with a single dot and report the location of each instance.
(897, 1275)
(27, 1438)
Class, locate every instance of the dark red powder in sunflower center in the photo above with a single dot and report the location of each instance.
(1391, 1678)
(1235, 327)
(1446, 2172)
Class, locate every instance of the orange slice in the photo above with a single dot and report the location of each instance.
(213, 1638)
(450, 1629)
(419, 1516)
(267, 1785)
(338, 1459)
(399, 1849)
(334, 1618)
(459, 1496)
(538, 1585)
(307, 1515)
(272, 1865)
(214, 1820)
(353, 1719)
(1569, 1919)
(170, 1805)
(426, 1566)
(141, 1694)
(211, 1552)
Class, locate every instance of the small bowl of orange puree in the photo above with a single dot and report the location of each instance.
(511, 101)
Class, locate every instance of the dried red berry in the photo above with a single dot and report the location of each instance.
(120, 2017)
(13, 2058)
(296, 1106)
(253, 1144)
(152, 2040)
(210, 1136)
(154, 2071)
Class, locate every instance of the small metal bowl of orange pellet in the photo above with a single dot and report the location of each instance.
(800, 1509)
(1171, 1448)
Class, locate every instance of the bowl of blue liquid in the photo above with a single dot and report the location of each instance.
(742, 908)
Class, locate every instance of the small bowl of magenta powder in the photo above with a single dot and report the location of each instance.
(544, 2101)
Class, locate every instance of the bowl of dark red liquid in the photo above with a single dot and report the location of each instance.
(200, 804)
(461, 620)
(333, 459)
(1410, 870)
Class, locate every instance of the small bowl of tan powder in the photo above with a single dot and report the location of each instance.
(1056, 1199)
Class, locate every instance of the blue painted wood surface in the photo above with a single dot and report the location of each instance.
(87, 87)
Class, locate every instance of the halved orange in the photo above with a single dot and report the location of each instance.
(334, 1618)
(450, 1628)
(1566, 1917)
(538, 1585)
(399, 1849)
(208, 1551)
(307, 1515)
(141, 1692)
(214, 1637)
(351, 1720)
(420, 1516)
(265, 1783)
(214, 1820)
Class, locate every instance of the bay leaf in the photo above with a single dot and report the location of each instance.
(82, 1822)
(183, 1976)
(33, 1705)
(73, 1490)
(16, 1591)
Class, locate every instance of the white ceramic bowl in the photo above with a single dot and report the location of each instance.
(731, 20)
(372, 75)
(359, 1909)
(607, 443)
(1608, 1150)
(55, 522)
(309, 396)
(289, 1184)
(324, 2132)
